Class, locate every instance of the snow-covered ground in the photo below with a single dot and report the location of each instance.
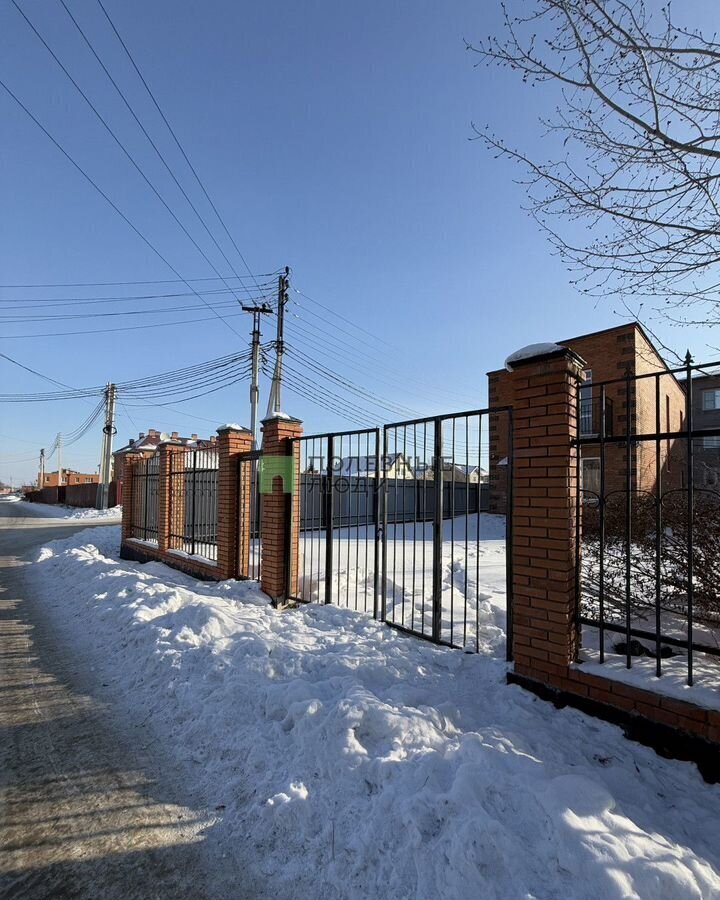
(351, 761)
(56, 511)
(473, 576)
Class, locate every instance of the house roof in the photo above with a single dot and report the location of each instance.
(153, 438)
(636, 326)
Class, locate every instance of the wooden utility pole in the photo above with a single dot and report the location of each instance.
(41, 476)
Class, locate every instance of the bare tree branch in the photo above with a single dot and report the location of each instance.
(637, 138)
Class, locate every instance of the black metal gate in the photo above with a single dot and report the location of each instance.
(340, 476)
(442, 562)
(397, 531)
(248, 558)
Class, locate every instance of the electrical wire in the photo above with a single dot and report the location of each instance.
(120, 144)
(105, 196)
(150, 140)
(173, 134)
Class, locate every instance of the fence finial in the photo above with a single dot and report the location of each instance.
(688, 358)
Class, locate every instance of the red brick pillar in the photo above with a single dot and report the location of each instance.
(233, 533)
(280, 517)
(544, 514)
(166, 494)
(129, 461)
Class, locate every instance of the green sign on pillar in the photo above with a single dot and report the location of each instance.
(270, 467)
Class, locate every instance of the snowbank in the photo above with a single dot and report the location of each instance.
(56, 511)
(354, 762)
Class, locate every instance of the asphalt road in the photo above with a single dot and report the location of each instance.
(89, 807)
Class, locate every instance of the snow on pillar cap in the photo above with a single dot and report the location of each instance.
(231, 426)
(536, 351)
(283, 416)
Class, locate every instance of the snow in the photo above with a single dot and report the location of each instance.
(473, 585)
(56, 511)
(705, 690)
(231, 426)
(529, 352)
(351, 761)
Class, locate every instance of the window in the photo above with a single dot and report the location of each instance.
(711, 399)
(590, 477)
(88, 481)
(711, 443)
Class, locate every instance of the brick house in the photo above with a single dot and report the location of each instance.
(609, 355)
(148, 442)
(70, 476)
(706, 414)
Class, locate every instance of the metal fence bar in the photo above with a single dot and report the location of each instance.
(690, 515)
(628, 523)
(376, 525)
(658, 529)
(329, 519)
(437, 531)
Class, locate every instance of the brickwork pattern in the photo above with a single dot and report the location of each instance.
(171, 510)
(275, 581)
(610, 354)
(544, 394)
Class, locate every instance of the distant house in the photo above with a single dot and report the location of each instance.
(395, 465)
(461, 473)
(148, 442)
(706, 415)
(69, 476)
(609, 355)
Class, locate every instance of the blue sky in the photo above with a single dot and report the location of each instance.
(334, 138)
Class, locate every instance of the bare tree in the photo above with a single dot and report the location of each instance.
(636, 146)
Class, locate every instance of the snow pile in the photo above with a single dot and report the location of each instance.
(354, 762)
(57, 511)
(529, 352)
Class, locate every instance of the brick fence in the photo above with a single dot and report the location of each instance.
(545, 527)
(280, 522)
(82, 496)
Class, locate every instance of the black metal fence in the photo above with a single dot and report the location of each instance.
(396, 531)
(194, 502)
(339, 495)
(412, 500)
(146, 475)
(434, 564)
(249, 550)
(649, 542)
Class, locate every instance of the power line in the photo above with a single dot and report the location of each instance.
(129, 156)
(152, 143)
(174, 136)
(110, 330)
(64, 284)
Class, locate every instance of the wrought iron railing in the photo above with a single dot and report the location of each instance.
(649, 543)
(144, 518)
(193, 506)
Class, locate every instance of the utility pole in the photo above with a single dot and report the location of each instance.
(274, 401)
(257, 311)
(109, 430)
(59, 458)
(41, 476)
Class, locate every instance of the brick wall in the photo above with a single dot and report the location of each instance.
(171, 510)
(610, 355)
(277, 534)
(543, 393)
